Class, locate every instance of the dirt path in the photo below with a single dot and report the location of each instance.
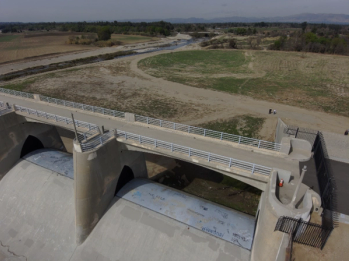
(227, 105)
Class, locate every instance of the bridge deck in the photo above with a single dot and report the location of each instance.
(180, 138)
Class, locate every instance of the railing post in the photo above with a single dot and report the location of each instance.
(64, 102)
(66, 120)
(156, 143)
(239, 139)
(73, 104)
(85, 137)
(89, 126)
(27, 95)
(147, 120)
(125, 135)
(36, 112)
(171, 147)
(100, 140)
(209, 155)
(56, 101)
(188, 129)
(254, 165)
(221, 135)
(83, 108)
(204, 132)
(174, 126)
(160, 123)
(103, 110)
(93, 108)
(259, 144)
(230, 163)
(56, 117)
(45, 115)
(140, 139)
(114, 113)
(189, 152)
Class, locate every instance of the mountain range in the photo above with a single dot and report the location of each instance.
(299, 18)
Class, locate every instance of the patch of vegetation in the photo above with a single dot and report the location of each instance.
(8, 38)
(244, 125)
(294, 79)
(157, 108)
(20, 86)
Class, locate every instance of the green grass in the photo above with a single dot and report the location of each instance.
(310, 81)
(244, 125)
(20, 86)
(8, 38)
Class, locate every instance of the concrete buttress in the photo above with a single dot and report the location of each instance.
(96, 174)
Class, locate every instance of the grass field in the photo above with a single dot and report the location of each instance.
(16, 47)
(244, 125)
(314, 81)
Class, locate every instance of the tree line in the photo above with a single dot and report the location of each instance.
(154, 28)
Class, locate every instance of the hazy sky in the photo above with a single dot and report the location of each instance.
(87, 10)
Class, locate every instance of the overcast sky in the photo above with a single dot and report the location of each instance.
(87, 10)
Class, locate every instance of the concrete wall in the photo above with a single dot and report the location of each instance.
(279, 134)
(67, 137)
(96, 174)
(14, 130)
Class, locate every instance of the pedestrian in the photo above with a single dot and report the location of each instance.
(346, 132)
(274, 111)
(270, 110)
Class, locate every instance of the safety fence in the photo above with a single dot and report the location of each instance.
(210, 157)
(82, 106)
(302, 133)
(262, 144)
(326, 181)
(17, 93)
(303, 232)
(96, 141)
(92, 129)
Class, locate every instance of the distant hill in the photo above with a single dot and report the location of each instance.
(299, 18)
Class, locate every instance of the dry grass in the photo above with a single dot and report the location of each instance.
(20, 47)
(314, 81)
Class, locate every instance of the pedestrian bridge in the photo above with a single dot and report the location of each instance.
(246, 159)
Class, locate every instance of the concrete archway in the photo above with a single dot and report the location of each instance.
(31, 144)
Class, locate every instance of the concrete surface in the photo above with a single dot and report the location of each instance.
(96, 174)
(14, 131)
(337, 146)
(201, 143)
(57, 161)
(227, 224)
(37, 223)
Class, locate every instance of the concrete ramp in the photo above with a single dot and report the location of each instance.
(36, 214)
(227, 224)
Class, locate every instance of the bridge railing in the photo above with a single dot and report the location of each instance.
(92, 129)
(17, 93)
(81, 106)
(262, 144)
(210, 157)
(96, 141)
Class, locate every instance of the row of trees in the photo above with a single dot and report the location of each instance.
(154, 28)
(311, 42)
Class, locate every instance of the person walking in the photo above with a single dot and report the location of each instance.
(270, 110)
(346, 132)
(274, 111)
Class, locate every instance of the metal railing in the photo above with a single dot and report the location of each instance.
(17, 93)
(81, 106)
(96, 141)
(303, 232)
(262, 144)
(210, 157)
(92, 128)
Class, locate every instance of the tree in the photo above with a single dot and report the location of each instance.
(304, 26)
(104, 33)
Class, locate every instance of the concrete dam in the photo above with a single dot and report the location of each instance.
(79, 189)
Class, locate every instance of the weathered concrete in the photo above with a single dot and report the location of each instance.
(96, 175)
(228, 149)
(269, 244)
(279, 134)
(37, 223)
(14, 130)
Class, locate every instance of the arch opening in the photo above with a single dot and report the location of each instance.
(31, 144)
(125, 176)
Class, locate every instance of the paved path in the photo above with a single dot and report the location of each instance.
(180, 138)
